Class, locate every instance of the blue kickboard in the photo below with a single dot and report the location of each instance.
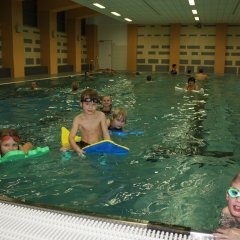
(106, 147)
(123, 134)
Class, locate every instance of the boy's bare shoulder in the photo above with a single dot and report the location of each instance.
(225, 211)
(100, 114)
(79, 116)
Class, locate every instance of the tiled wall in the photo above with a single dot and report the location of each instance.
(84, 50)
(31, 38)
(62, 48)
(232, 60)
(153, 48)
(197, 48)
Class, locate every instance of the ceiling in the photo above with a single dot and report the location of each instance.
(169, 11)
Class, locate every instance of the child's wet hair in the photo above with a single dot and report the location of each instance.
(120, 112)
(149, 78)
(75, 85)
(191, 79)
(8, 132)
(107, 96)
(89, 93)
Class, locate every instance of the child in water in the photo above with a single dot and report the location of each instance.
(9, 141)
(90, 123)
(201, 75)
(149, 79)
(75, 87)
(174, 69)
(191, 84)
(106, 105)
(118, 121)
(34, 85)
(230, 217)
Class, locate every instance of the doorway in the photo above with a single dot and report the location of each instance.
(105, 54)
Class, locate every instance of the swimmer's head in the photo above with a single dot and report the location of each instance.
(9, 140)
(75, 86)
(120, 113)
(89, 101)
(90, 94)
(119, 118)
(34, 85)
(107, 101)
(191, 79)
(149, 78)
(233, 197)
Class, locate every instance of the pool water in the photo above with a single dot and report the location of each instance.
(176, 173)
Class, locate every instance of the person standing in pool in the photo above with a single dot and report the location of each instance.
(10, 140)
(75, 87)
(201, 75)
(230, 217)
(174, 69)
(106, 105)
(90, 123)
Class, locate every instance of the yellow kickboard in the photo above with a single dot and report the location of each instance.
(65, 135)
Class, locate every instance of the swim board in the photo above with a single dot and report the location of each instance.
(102, 147)
(123, 134)
(65, 135)
(19, 154)
(183, 90)
(106, 147)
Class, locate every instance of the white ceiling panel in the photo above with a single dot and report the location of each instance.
(169, 11)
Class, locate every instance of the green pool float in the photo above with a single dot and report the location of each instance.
(16, 155)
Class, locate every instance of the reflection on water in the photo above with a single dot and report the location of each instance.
(186, 136)
(187, 155)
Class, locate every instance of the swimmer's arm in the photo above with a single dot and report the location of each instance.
(227, 233)
(26, 147)
(197, 88)
(104, 127)
(72, 135)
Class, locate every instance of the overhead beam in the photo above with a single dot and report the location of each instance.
(56, 5)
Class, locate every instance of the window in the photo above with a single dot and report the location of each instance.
(61, 22)
(29, 8)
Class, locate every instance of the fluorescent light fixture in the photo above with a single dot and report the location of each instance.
(196, 18)
(191, 2)
(116, 14)
(194, 11)
(127, 19)
(98, 5)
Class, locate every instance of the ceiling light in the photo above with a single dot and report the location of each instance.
(116, 14)
(194, 11)
(127, 19)
(191, 2)
(98, 5)
(197, 18)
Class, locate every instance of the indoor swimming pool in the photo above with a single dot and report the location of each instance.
(176, 173)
